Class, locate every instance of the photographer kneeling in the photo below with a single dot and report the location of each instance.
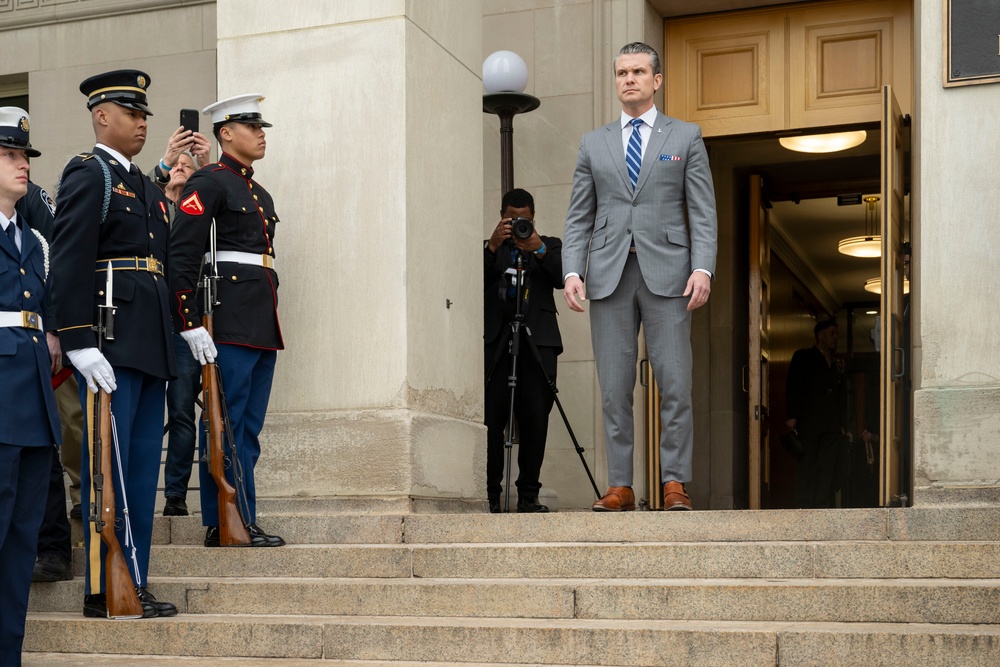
(515, 236)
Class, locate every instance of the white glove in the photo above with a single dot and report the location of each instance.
(201, 345)
(94, 367)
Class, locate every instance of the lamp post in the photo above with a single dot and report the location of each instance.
(504, 78)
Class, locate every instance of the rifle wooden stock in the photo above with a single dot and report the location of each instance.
(122, 601)
(232, 529)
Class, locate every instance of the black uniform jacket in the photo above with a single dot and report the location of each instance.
(137, 225)
(245, 222)
(543, 276)
(29, 417)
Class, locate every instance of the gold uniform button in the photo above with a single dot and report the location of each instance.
(128, 208)
(250, 185)
(151, 235)
(255, 197)
(186, 310)
(244, 209)
(34, 338)
(22, 272)
(189, 324)
(234, 277)
(184, 297)
(100, 293)
(270, 251)
(27, 294)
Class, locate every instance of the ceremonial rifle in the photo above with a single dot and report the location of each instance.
(232, 527)
(121, 598)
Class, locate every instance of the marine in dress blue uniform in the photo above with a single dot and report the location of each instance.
(247, 333)
(108, 211)
(29, 418)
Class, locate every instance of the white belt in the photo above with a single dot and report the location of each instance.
(21, 318)
(242, 258)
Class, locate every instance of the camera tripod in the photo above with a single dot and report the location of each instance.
(511, 340)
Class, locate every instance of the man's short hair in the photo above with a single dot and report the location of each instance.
(823, 326)
(640, 47)
(517, 198)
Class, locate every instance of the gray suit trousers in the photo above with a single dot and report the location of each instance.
(614, 330)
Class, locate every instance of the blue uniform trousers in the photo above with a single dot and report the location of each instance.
(247, 373)
(137, 408)
(24, 476)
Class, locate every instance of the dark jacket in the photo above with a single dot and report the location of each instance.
(815, 394)
(246, 221)
(29, 417)
(543, 276)
(136, 225)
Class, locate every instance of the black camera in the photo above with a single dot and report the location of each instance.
(522, 228)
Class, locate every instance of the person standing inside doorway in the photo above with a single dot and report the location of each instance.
(815, 401)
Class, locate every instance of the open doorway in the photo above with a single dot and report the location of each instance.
(807, 204)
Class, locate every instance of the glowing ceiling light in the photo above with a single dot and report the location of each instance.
(824, 143)
(874, 285)
(869, 245)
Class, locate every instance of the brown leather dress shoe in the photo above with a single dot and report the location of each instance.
(617, 499)
(675, 497)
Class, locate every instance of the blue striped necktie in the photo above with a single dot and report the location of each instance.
(633, 155)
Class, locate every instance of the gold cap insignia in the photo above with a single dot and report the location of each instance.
(24, 124)
(141, 80)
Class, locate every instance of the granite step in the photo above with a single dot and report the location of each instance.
(894, 524)
(816, 600)
(833, 559)
(520, 641)
(108, 660)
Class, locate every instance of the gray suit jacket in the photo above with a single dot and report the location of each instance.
(671, 214)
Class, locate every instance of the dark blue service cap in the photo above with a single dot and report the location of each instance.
(126, 87)
(14, 125)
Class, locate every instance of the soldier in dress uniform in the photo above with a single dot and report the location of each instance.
(29, 418)
(247, 332)
(109, 212)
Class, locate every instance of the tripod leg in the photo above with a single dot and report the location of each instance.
(562, 412)
(512, 383)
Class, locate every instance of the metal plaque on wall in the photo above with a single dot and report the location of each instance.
(971, 42)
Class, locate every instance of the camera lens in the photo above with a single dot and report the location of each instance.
(521, 228)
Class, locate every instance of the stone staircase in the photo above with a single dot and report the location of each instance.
(834, 587)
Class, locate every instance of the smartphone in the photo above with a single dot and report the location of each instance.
(189, 119)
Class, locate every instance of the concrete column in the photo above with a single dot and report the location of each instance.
(375, 164)
(955, 321)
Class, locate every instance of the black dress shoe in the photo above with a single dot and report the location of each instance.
(76, 512)
(175, 507)
(530, 505)
(258, 538)
(495, 507)
(149, 601)
(52, 567)
(95, 606)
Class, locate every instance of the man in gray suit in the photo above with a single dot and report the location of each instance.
(641, 230)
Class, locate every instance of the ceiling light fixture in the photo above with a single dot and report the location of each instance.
(869, 245)
(824, 143)
(874, 285)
